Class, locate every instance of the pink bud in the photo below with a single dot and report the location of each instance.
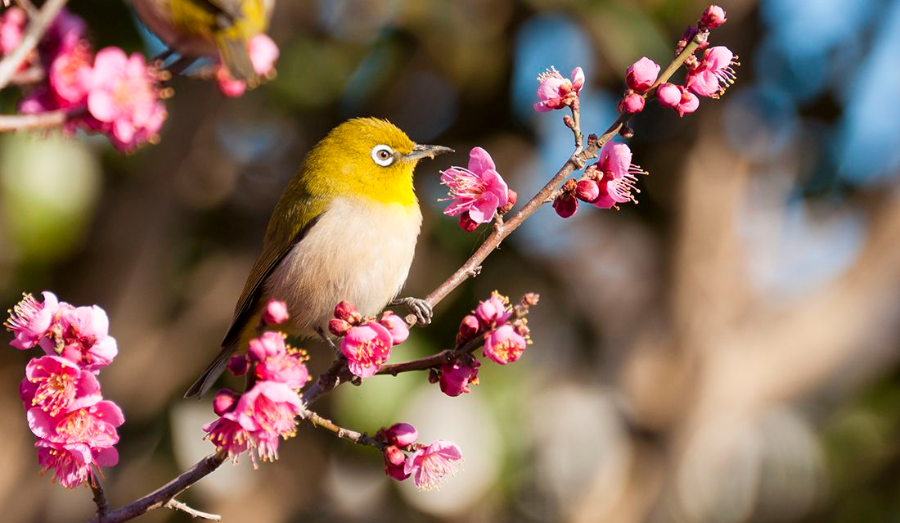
(396, 326)
(338, 327)
(669, 95)
(400, 434)
(633, 103)
(468, 329)
(225, 401)
(587, 190)
(345, 311)
(512, 198)
(641, 75)
(395, 463)
(565, 205)
(275, 312)
(456, 377)
(713, 17)
(269, 345)
(239, 365)
(467, 224)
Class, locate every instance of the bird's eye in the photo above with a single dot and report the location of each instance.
(383, 155)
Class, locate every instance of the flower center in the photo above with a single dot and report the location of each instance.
(54, 392)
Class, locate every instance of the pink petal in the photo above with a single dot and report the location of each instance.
(106, 457)
(718, 57)
(616, 157)
(480, 161)
(703, 82)
(483, 210)
(577, 79)
(102, 106)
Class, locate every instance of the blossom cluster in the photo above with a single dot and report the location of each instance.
(366, 342)
(109, 92)
(74, 426)
(257, 419)
(505, 334)
(428, 465)
(477, 193)
(604, 184)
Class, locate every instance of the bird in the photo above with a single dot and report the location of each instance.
(344, 229)
(209, 28)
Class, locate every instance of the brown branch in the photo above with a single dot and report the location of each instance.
(174, 504)
(435, 360)
(161, 496)
(24, 122)
(33, 34)
(99, 497)
(347, 434)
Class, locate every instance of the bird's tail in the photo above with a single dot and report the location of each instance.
(211, 374)
(236, 56)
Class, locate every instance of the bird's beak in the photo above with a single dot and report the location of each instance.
(426, 151)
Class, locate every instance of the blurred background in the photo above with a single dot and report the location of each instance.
(726, 351)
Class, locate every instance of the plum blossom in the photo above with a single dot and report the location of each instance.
(395, 463)
(83, 338)
(456, 377)
(94, 425)
(366, 348)
(504, 345)
(228, 435)
(12, 27)
(71, 463)
(493, 311)
(641, 75)
(556, 92)
(565, 205)
(30, 321)
(396, 327)
(276, 312)
(469, 327)
(476, 192)
(678, 98)
(714, 74)
(713, 17)
(619, 175)
(284, 368)
(268, 345)
(633, 103)
(430, 465)
(400, 434)
(70, 76)
(67, 31)
(54, 385)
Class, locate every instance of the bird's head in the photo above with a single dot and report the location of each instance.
(367, 156)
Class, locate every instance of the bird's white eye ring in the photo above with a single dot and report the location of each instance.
(383, 155)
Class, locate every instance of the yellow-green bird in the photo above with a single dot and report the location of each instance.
(345, 228)
(209, 28)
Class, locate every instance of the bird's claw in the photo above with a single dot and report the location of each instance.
(419, 307)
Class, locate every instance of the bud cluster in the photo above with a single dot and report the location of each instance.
(366, 342)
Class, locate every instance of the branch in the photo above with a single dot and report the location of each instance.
(350, 435)
(36, 29)
(24, 122)
(174, 504)
(99, 497)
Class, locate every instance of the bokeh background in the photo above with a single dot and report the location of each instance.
(726, 351)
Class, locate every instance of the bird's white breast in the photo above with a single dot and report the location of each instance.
(360, 250)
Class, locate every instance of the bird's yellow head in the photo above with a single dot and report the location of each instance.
(366, 156)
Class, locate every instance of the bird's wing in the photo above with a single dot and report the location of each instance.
(231, 9)
(272, 254)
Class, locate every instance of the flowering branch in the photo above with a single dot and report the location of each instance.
(36, 29)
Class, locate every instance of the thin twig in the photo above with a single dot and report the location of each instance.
(24, 122)
(33, 34)
(99, 497)
(174, 504)
(341, 432)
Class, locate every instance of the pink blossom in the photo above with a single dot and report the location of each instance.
(641, 75)
(276, 312)
(556, 92)
(587, 190)
(269, 345)
(84, 337)
(269, 407)
(12, 26)
(228, 85)
(633, 103)
(30, 321)
(430, 465)
(284, 368)
(400, 434)
(66, 31)
(71, 463)
(94, 425)
(70, 75)
(54, 385)
(469, 327)
(263, 54)
(714, 74)
(619, 175)
(396, 327)
(678, 98)
(366, 348)
(478, 191)
(456, 377)
(565, 205)
(228, 435)
(492, 311)
(395, 463)
(123, 99)
(713, 17)
(504, 345)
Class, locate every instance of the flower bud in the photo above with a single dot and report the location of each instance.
(345, 311)
(713, 17)
(641, 75)
(565, 205)
(587, 190)
(467, 224)
(433, 376)
(239, 365)
(275, 312)
(468, 329)
(510, 202)
(400, 434)
(669, 95)
(633, 103)
(338, 327)
(269, 345)
(225, 401)
(395, 463)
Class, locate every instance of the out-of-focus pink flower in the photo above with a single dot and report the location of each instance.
(30, 321)
(84, 338)
(70, 75)
(284, 368)
(619, 175)
(228, 435)
(713, 17)
(395, 463)
(225, 401)
(492, 311)
(633, 103)
(477, 191)
(587, 190)
(565, 205)
(94, 425)
(229, 86)
(504, 345)
(400, 434)
(71, 463)
(275, 312)
(12, 26)
(66, 31)
(123, 98)
(430, 465)
(268, 345)
(641, 75)
(714, 74)
(469, 327)
(268, 407)
(396, 327)
(678, 98)
(238, 365)
(263, 54)
(366, 348)
(54, 385)
(556, 92)
(456, 377)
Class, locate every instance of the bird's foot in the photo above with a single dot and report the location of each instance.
(421, 308)
(329, 341)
